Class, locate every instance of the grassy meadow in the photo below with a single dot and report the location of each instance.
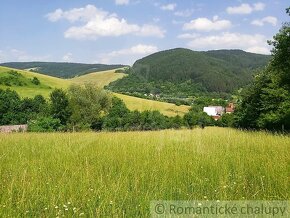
(101, 79)
(140, 104)
(48, 83)
(118, 174)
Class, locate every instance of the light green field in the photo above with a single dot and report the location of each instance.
(100, 79)
(31, 91)
(118, 174)
(134, 103)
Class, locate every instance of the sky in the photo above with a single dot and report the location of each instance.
(122, 31)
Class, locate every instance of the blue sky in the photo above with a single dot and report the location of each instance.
(121, 31)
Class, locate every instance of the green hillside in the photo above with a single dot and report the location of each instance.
(21, 81)
(61, 70)
(183, 72)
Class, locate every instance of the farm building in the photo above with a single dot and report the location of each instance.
(13, 128)
(214, 111)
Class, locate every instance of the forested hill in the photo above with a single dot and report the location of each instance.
(61, 70)
(216, 71)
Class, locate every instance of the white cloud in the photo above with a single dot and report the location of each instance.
(168, 7)
(137, 49)
(204, 24)
(99, 23)
(188, 36)
(150, 30)
(253, 43)
(246, 8)
(128, 55)
(261, 22)
(185, 13)
(259, 6)
(12, 54)
(68, 57)
(122, 2)
(258, 50)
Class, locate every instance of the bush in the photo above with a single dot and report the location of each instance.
(44, 124)
(35, 81)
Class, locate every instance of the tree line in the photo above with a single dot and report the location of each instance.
(87, 107)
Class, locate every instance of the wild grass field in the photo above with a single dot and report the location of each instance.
(101, 79)
(140, 104)
(118, 174)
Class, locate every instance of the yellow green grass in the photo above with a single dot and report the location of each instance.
(30, 91)
(118, 174)
(134, 103)
(100, 79)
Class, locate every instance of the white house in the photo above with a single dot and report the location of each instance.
(214, 110)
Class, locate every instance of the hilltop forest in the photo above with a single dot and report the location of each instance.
(182, 73)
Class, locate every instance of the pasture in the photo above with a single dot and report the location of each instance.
(118, 174)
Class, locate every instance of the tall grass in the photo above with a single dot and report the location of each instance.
(105, 174)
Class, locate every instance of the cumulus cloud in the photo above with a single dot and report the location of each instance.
(122, 2)
(128, 55)
(168, 7)
(188, 36)
(185, 13)
(99, 23)
(246, 8)
(252, 43)
(137, 49)
(204, 24)
(261, 22)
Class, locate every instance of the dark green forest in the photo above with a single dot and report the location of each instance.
(182, 73)
(61, 70)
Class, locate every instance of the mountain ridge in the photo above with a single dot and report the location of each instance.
(61, 69)
(209, 71)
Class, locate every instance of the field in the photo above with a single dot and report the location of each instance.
(118, 174)
(101, 79)
(134, 103)
(30, 91)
